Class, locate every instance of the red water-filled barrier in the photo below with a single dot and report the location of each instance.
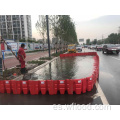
(34, 87)
(62, 86)
(43, 86)
(2, 86)
(8, 86)
(16, 87)
(52, 86)
(78, 86)
(25, 87)
(71, 86)
(84, 85)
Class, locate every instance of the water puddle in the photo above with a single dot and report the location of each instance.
(66, 68)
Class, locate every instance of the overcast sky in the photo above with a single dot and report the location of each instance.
(87, 14)
(87, 26)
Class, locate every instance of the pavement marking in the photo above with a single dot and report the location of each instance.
(115, 58)
(95, 96)
(101, 94)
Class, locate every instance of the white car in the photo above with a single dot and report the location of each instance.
(118, 46)
(79, 48)
(92, 47)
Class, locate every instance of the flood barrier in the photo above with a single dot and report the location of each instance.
(35, 87)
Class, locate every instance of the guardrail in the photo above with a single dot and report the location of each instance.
(53, 86)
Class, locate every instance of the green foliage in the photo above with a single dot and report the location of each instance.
(30, 41)
(36, 62)
(94, 42)
(35, 51)
(22, 40)
(113, 38)
(61, 26)
(88, 42)
(66, 29)
(45, 58)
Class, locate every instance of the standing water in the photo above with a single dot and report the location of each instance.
(66, 68)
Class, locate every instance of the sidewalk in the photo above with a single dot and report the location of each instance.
(12, 62)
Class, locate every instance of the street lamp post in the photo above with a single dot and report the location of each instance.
(1, 72)
(48, 34)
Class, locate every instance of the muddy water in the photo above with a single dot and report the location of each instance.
(66, 68)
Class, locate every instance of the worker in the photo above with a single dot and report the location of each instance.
(21, 57)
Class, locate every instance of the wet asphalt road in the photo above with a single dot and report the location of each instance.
(109, 77)
(109, 81)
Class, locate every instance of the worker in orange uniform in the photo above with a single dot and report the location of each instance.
(22, 56)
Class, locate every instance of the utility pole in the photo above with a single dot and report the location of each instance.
(48, 34)
(102, 39)
(118, 33)
(1, 71)
(118, 30)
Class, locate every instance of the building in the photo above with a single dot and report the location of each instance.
(54, 40)
(16, 27)
(81, 41)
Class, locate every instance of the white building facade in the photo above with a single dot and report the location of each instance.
(16, 27)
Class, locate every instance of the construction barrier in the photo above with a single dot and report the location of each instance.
(33, 87)
(62, 86)
(8, 86)
(43, 86)
(52, 86)
(16, 87)
(77, 86)
(69, 86)
(25, 87)
(2, 86)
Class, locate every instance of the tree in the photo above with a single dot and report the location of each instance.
(94, 41)
(66, 29)
(61, 26)
(88, 42)
(22, 40)
(112, 38)
(41, 26)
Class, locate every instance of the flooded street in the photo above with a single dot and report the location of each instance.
(66, 68)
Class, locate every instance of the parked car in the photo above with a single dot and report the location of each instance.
(85, 46)
(118, 46)
(79, 48)
(99, 47)
(92, 47)
(110, 48)
(89, 46)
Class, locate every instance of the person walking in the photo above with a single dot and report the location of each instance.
(21, 57)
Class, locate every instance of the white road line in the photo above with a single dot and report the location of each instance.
(115, 58)
(101, 94)
(95, 96)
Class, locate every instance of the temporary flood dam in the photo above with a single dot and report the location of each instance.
(72, 72)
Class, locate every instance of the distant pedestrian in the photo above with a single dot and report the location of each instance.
(22, 56)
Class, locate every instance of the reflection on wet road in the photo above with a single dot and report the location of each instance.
(109, 77)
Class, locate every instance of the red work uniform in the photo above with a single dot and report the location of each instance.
(21, 53)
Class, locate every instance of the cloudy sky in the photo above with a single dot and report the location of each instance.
(93, 18)
(89, 26)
